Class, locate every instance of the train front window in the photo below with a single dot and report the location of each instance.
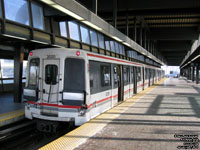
(51, 72)
(34, 71)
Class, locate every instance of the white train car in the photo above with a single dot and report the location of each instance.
(72, 85)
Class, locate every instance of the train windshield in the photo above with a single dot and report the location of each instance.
(34, 71)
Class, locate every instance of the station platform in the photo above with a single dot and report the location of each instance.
(154, 119)
(10, 112)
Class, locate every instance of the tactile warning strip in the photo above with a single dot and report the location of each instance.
(8, 117)
(78, 136)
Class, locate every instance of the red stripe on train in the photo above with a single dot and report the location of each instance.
(118, 60)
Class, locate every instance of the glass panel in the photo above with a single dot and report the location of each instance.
(34, 71)
(51, 72)
(85, 35)
(24, 68)
(17, 10)
(107, 43)
(74, 81)
(63, 29)
(123, 50)
(38, 18)
(105, 75)
(112, 46)
(73, 31)
(7, 68)
(8, 81)
(120, 48)
(116, 47)
(101, 41)
(93, 36)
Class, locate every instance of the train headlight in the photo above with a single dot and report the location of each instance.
(82, 112)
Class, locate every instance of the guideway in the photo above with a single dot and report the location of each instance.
(164, 116)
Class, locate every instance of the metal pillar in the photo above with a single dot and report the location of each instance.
(193, 69)
(141, 34)
(127, 24)
(115, 13)
(135, 29)
(197, 73)
(145, 39)
(18, 68)
(95, 6)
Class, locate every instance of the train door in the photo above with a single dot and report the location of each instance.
(143, 78)
(132, 81)
(135, 80)
(120, 84)
(50, 84)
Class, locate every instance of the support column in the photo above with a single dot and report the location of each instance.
(141, 34)
(145, 39)
(197, 73)
(193, 68)
(135, 29)
(18, 68)
(127, 24)
(115, 13)
(95, 6)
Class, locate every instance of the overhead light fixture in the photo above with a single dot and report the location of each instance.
(91, 25)
(126, 44)
(68, 12)
(116, 38)
(195, 57)
(58, 46)
(39, 42)
(49, 2)
(20, 38)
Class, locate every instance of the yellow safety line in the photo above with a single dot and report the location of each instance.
(78, 136)
(11, 115)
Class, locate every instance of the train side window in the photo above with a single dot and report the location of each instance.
(126, 76)
(115, 75)
(34, 71)
(51, 72)
(105, 76)
(138, 74)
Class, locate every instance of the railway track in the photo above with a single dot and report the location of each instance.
(24, 135)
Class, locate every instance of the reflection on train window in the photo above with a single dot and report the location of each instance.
(34, 71)
(51, 72)
(17, 11)
(138, 74)
(105, 76)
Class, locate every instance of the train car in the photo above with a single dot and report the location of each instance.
(73, 85)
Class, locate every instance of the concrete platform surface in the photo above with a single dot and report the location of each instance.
(157, 121)
(10, 112)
